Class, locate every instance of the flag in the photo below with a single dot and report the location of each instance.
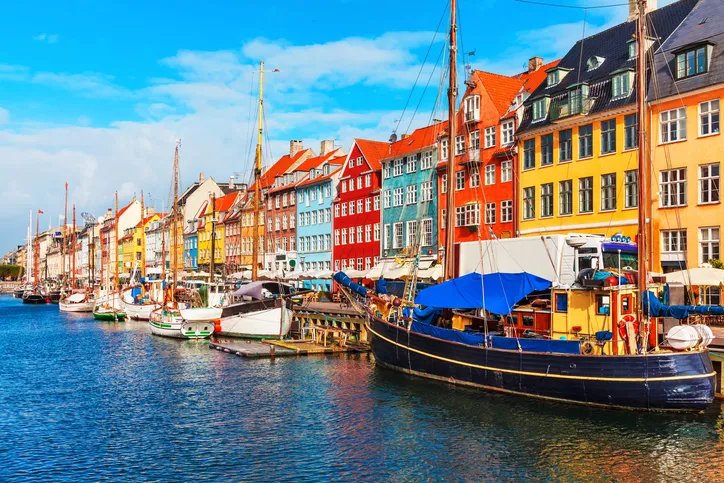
(40, 212)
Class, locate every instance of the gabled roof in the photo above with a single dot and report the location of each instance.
(319, 179)
(317, 160)
(419, 139)
(123, 210)
(149, 218)
(611, 45)
(373, 152)
(280, 167)
(223, 203)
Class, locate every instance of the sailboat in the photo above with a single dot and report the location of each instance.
(175, 318)
(33, 295)
(266, 308)
(75, 301)
(109, 308)
(614, 362)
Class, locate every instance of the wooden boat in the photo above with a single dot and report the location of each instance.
(140, 307)
(34, 297)
(108, 313)
(78, 302)
(183, 323)
(266, 312)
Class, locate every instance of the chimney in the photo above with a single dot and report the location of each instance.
(295, 147)
(150, 211)
(201, 177)
(535, 63)
(326, 147)
(231, 183)
(405, 136)
(633, 8)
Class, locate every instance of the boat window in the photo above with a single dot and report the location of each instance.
(561, 302)
(511, 319)
(528, 321)
(585, 262)
(629, 260)
(603, 304)
(626, 304)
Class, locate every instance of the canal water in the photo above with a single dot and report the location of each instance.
(87, 401)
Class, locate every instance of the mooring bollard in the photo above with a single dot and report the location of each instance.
(272, 350)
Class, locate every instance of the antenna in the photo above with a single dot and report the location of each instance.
(88, 218)
(393, 137)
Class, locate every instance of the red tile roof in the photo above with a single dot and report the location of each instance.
(317, 160)
(148, 218)
(280, 167)
(308, 181)
(223, 203)
(420, 138)
(123, 210)
(373, 151)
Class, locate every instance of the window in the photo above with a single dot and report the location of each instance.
(411, 194)
(411, 164)
(397, 167)
(351, 208)
(529, 203)
(529, 154)
(397, 240)
(386, 170)
(565, 197)
(443, 183)
(585, 141)
(377, 232)
(603, 304)
(460, 180)
(376, 202)
(443, 218)
(631, 131)
(585, 195)
(397, 198)
(344, 209)
(608, 192)
(344, 186)
(631, 189)
(443, 149)
(336, 237)
(489, 213)
(709, 183)
(565, 145)
(459, 145)
(552, 78)
(314, 193)
(673, 125)
(276, 202)
(506, 211)
(489, 138)
(673, 187)
(633, 49)
(546, 200)
(351, 235)
(426, 191)
(368, 205)
(426, 162)
(426, 233)
(673, 241)
(284, 222)
(540, 109)
(360, 204)
(621, 85)
(467, 215)
(709, 118)
(472, 108)
(359, 183)
(386, 243)
(359, 234)
(412, 233)
(489, 175)
(368, 233)
(474, 177)
(691, 62)
(561, 302)
(336, 265)
(608, 136)
(708, 244)
(508, 128)
(284, 200)
(388, 198)
(276, 223)
(368, 180)
(546, 150)
(506, 171)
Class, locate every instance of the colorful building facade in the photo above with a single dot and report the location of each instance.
(211, 232)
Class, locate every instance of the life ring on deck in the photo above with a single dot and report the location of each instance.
(622, 326)
(586, 348)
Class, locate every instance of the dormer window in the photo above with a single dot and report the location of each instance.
(633, 49)
(556, 75)
(692, 61)
(326, 169)
(472, 108)
(540, 109)
(621, 84)
(594, 62)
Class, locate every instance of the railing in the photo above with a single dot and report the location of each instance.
(576, 106)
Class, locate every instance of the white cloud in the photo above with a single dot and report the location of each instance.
(40, 37)
(49, 38)
(13, 72)
(89, 83)
(4, 116)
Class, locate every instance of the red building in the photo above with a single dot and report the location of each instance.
(485, 153)
(356, 205)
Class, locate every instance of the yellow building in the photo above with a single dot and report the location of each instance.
(248, 233)
(212, 216)
(133, 255)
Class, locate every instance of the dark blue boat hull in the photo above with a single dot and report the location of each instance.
(680, 381)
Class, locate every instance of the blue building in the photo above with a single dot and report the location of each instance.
(191, 251)
(410, 198)
(314, 218)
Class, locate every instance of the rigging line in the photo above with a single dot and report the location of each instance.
(560, 5)
(583, 39)
(250, 126)
(422, 96)
(419, 73)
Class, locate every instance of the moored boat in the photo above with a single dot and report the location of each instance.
(183, 323)
(78, 302)
(34, 297)
(108, 312)
(140, 303)
(265, 312)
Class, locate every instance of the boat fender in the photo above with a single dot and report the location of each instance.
(217, 326)
(622, 326)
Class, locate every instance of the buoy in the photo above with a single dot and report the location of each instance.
(682, 337)
(706, 336)
(217, 326)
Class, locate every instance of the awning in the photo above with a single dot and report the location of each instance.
(495, 292)
(708, 277)
(391, 270)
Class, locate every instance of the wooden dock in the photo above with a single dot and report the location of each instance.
(280, 348)
(328, 314)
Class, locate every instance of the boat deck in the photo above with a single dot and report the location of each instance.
(280, 348)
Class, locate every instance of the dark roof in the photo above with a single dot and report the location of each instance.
(691, 31)
(612, 45)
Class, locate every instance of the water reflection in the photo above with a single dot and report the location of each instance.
(84, 400)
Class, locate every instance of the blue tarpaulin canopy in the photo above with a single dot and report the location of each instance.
(654, 308)
(495, 292)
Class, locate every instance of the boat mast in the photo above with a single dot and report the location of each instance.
(452, 94)
(143, 237)
(65, 239)
(213, 238)
(257, 181)
(72, 249)
(642, 165)
(36, 255)
(115, 216)
(174, 242)
(29, 250)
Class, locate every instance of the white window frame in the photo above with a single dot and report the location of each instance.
(709, 117)
(506, 211)
(459, 144)
(709, 238)
(411, 164)
(472, 108)
(459, 180)
(426, 191)
(426, 162)
(398, 196)
(411, 233)
(397, 167)
(426, 232)
(672, 185)
(490, 213)
(489, 137)
(411, 194)
(709, 184)
(506, 171)
(673, 242)
(672, 125)
(397, 235)
(507, 133)
(490, 174)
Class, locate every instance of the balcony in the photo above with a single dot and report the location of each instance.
(576, 106)
(472, 116)
(472, 156)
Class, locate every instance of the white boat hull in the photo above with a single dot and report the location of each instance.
(77, 307)
(174, 326)
(265, 324)
(139, 312)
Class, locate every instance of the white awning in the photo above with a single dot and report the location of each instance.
(708, 277)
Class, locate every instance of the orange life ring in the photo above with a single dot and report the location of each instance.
(622, 325)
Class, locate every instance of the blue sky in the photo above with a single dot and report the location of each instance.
(96, 92)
